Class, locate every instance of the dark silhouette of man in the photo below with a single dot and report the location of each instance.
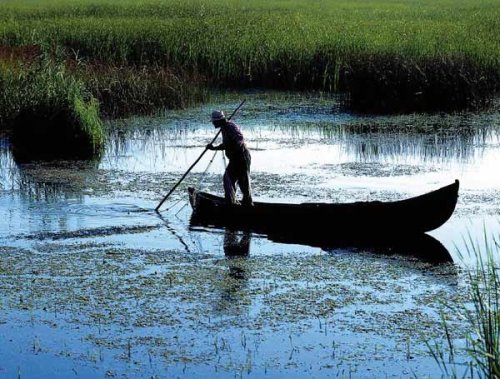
(238, 168)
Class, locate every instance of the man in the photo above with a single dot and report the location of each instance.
(238, 168)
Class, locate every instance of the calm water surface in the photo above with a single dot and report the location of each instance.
(96, 284)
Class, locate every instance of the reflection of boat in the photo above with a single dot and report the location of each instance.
(421, 246)
(236, 244)
(412, 216)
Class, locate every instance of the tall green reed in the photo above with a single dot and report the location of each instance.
(428, 52)
(481, 313)
(49, 110)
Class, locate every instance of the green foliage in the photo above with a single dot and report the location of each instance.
(225, 36)
(88, 114)
(46, 106)
(333, 45)
(484, 316)
(123, 90)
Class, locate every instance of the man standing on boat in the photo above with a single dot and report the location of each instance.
(238, 168)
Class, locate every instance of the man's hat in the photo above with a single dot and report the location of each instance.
(218, 115)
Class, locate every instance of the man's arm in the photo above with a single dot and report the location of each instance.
(219, 147)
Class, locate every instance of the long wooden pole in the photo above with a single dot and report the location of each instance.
(196, 161)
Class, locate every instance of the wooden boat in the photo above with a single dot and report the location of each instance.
(411, 216)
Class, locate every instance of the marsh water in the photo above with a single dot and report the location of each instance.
(95, 284)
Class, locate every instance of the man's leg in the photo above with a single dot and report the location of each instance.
(244, 180)
(229, 180)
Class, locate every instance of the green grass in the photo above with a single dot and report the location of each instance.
(222, 37)
(330, 45)
(50, 112)
(484, 315)
(123, 90)
(389, 56)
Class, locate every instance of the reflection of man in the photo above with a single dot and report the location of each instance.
(238, 168)
(235, 246)
(233, 293)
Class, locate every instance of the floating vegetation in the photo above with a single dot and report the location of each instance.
(90, 233)
(275, 313)
(94, 286)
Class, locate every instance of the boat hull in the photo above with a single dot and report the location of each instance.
(411, 216)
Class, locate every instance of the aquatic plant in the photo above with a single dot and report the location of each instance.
(50, 113)
(481, 311)
(123, 90)
(388, 56)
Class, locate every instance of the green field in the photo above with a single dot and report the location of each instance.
(388, 56)
(226, 38)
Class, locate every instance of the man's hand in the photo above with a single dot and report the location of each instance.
(210, 147)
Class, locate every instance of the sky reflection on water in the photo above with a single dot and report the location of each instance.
(94, 280)
(301, 151)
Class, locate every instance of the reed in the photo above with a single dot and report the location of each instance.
(50, 113)
(125, 90)
(389, 56)
(482, 314)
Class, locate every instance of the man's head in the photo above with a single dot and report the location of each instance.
(218, 118)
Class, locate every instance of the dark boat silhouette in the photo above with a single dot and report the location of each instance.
(362, 220)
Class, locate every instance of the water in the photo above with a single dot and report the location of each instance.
(95, 283)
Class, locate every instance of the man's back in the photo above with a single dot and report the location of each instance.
(233, 140)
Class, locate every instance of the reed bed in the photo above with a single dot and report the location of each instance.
(393, 56)
(124, 90)
(418, 51)
(50, 112)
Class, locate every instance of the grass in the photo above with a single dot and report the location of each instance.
(54, 108)
(481, 313)
(124, 90)
(50, 112)
(416, 50)
(135, 57)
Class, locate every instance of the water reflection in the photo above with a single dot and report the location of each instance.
(301, 150)
(43, 181)
(422, 137)
(8, 170)
(421, 246)
(233, 295)
(54, 182)
(285, 141)
(236, 243)
(454, 145)
(173, 144)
